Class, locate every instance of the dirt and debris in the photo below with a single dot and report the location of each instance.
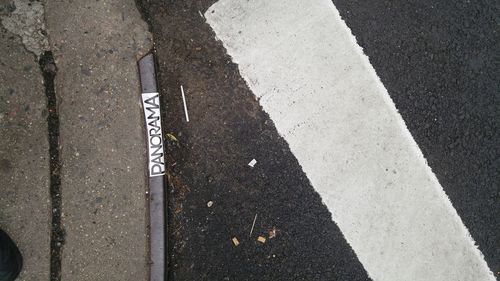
(231, 125)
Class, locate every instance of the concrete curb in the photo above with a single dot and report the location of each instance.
(156, 181)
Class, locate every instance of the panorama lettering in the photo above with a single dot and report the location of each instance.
(151, 103)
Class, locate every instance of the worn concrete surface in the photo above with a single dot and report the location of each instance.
(25, 18)
(24, 165)
(95, 45)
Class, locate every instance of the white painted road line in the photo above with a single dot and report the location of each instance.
(326, 100)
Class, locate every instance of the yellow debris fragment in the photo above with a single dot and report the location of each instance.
(172, 137)
(235, 241)
(261, 239)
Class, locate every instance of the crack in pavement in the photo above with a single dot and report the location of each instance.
(49, 70)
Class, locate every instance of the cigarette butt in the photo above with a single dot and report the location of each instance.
(261, 239)
(272, 233)
(235, 241)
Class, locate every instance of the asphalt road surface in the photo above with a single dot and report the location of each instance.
(435, 61)
(439, 62)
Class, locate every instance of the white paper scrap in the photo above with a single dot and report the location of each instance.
(252, 163)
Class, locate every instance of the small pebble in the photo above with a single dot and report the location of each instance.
(209, 204)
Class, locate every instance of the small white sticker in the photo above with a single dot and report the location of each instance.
(151, 104)
(252, 163)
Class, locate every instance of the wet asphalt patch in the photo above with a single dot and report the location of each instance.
(214, 195)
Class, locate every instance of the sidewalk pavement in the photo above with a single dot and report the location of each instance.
(103, 177)
(24, 156)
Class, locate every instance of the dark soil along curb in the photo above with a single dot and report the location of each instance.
(207, 161)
